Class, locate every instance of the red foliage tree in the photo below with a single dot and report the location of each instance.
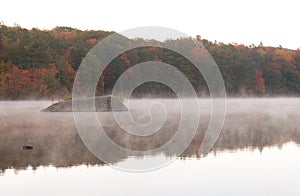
(260, 82)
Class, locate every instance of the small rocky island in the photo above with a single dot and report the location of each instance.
(102, 104)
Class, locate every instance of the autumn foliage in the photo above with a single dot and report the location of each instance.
(260, 82)
(33, 83)
(41, 64)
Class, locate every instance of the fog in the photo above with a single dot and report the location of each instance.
(249, 124)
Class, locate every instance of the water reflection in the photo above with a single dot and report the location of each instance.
(251, 124)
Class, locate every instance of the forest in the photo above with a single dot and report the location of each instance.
(42, 64)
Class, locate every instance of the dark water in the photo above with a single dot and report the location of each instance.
(257, 153)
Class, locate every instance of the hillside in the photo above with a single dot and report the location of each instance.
(42, 64)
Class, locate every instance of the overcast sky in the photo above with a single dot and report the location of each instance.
(274, 22)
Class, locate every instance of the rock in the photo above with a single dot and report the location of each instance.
(102, 104)
(27, 147)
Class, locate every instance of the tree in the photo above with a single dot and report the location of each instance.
(260, 82)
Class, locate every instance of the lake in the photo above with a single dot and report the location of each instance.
(257, 152)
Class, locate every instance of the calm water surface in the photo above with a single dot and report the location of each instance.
(257, 153)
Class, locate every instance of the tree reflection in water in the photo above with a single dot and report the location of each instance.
(56, 142)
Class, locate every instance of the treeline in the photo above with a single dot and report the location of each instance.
(257, 70)
(42, 64)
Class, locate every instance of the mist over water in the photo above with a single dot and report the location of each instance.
(250, 123)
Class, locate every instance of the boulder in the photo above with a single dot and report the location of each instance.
(27, 147)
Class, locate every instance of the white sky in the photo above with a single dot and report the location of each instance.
(274, 22)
